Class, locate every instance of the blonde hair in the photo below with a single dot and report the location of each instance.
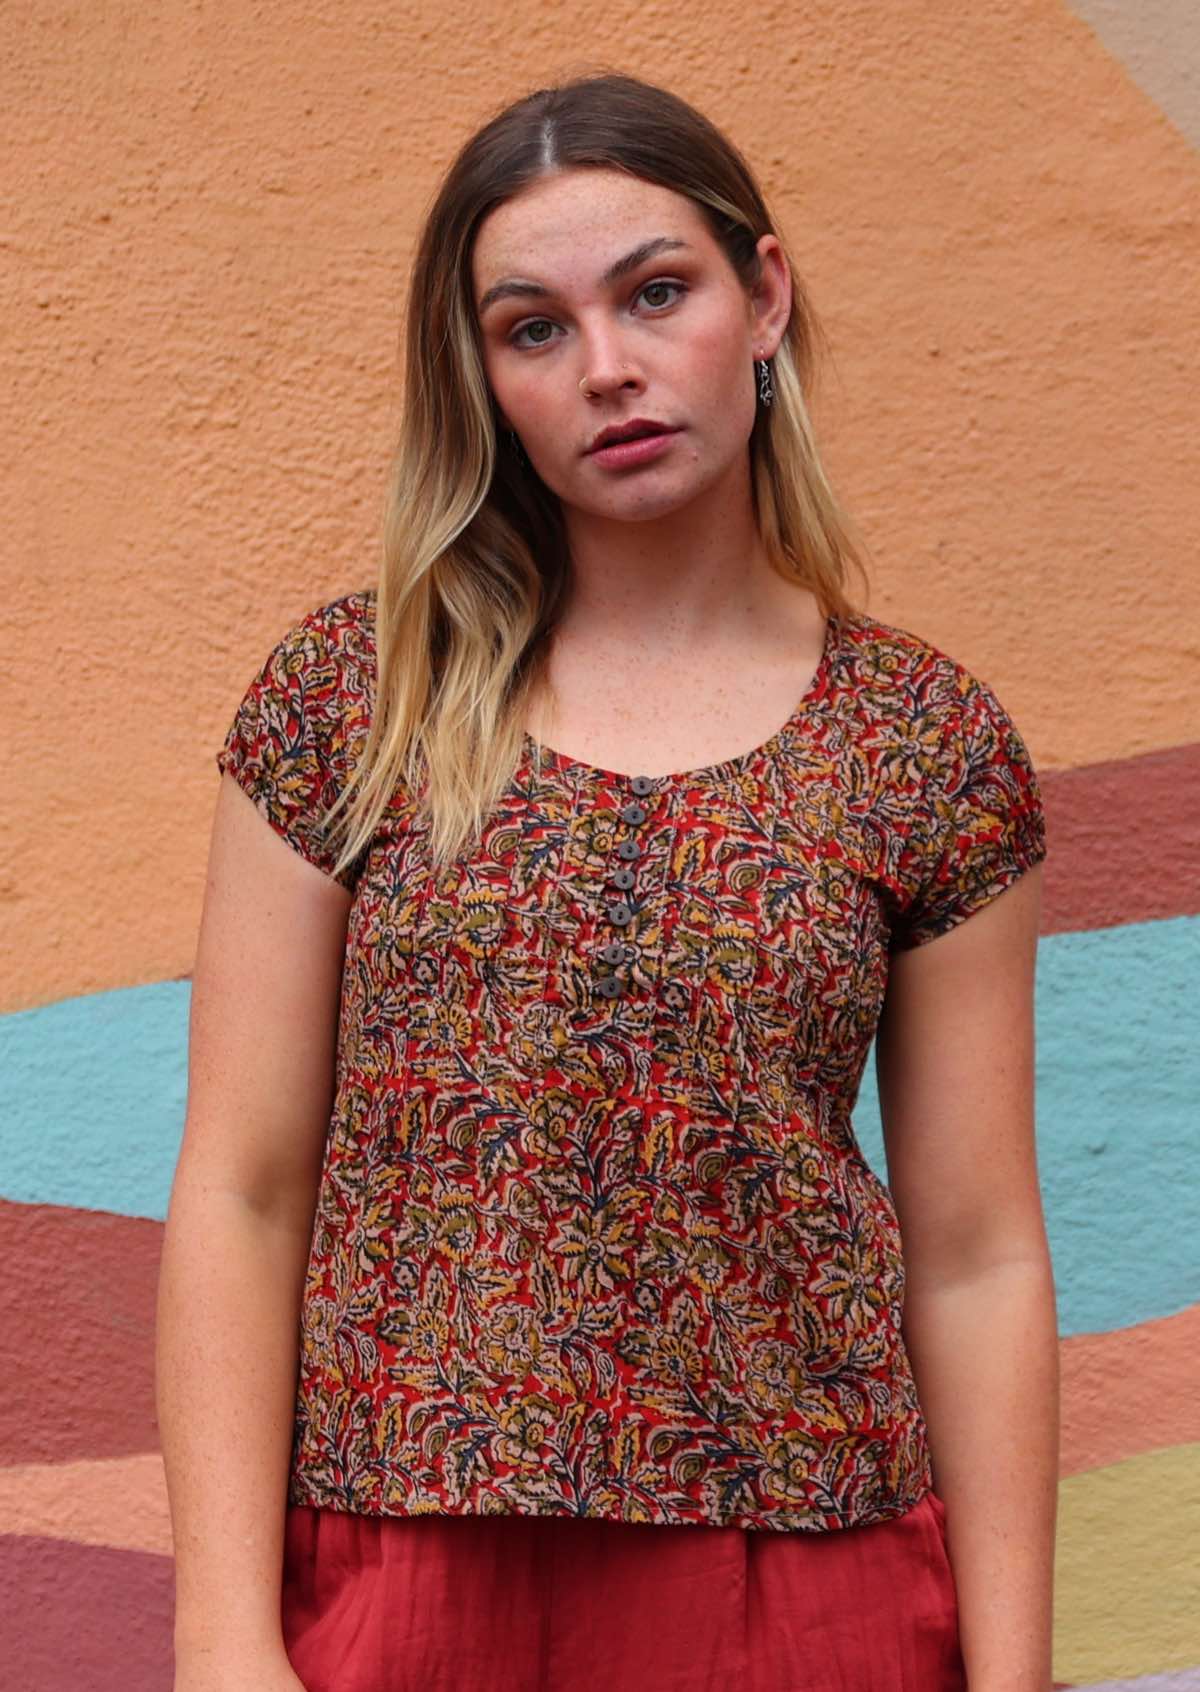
(475, 562)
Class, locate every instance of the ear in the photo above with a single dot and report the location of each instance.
(770, 297)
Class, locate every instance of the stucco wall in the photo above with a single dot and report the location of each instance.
(208, 217)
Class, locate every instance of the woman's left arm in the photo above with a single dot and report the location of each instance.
(955, 1067)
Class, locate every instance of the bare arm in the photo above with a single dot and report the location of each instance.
(955, 1064)
(262, 1045)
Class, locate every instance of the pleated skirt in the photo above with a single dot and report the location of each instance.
(557, 1604)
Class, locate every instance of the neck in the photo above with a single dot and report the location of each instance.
(681, 580)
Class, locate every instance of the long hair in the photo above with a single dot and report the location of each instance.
(476, 563)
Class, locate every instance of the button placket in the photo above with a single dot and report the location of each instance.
(621, 912)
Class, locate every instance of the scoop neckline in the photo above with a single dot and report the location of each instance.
(726, 768)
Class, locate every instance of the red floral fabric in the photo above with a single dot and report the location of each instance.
(594, 1235)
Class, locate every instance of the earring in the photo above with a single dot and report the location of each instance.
(766, 388)
(518, 449)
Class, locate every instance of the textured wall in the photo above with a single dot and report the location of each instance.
(208, 217)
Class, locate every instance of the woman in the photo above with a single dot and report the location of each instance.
(525, 1037)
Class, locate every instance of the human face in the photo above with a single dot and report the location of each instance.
(598, 278)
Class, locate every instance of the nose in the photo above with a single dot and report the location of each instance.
(605, 368)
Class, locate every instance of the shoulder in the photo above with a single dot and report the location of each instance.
(933, 729)
(949, 769)
(902, 686)
(898, 674)
(326, 659)
(298, 727)
(341, 631)
(311, 695)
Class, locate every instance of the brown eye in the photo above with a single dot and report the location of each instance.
(534, 323)
(678, 287)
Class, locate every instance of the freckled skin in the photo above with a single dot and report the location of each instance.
(672, 596)
(680, 358)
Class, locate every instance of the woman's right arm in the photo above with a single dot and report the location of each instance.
(261, 1066)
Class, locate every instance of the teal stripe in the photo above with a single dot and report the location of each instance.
(94, 1093)
(93, 1099)
(1118, 1080)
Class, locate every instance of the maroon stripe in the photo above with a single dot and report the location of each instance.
(1123, 841)
(78, 1616)
(78, 1320)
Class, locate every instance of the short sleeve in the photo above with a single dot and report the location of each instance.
(285, 745)
(987, 821)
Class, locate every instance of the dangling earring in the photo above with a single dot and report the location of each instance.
(518, 449)
(766, 388)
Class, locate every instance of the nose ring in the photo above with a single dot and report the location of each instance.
(583, 388)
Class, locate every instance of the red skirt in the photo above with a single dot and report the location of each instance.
(558, 1604)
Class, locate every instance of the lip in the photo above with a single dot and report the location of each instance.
(617, 433)
(620, 455)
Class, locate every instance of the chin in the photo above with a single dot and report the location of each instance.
(643, 505)
(643, 499)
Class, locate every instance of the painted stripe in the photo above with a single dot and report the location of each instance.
(1181, 1680)
(1134, 1390)
(1127, 1573)
(1158, 43)
(78, 1616)
(95, 1093)
(120, 1502)
(97, 1090)
(1105, 824)
(90, 1368)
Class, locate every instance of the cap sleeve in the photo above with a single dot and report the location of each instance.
(987, 825)
(286, 744)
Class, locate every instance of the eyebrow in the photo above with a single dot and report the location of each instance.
(513, 287)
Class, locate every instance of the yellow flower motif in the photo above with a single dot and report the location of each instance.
(430, 1333)
(595, 1251)
(789, 1465)
(910, 758)
(772, 1377)
(480, 922)
(450, 1025)
(708, 1265)
(504, 1344)
(675, 1357)
(732, 959)
(802, 1170)
(551, 1116)
(456, 1226)
(524, 1430)
(851, 1282)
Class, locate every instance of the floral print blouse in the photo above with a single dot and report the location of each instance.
(594, 1236)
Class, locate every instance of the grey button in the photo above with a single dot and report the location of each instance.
(608, 986)
(623, 879)
(634, 814)
(629, 849)
(613, 953)
(620, 913)
(642, 785)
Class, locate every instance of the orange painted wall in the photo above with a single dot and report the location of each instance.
(210, 217)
